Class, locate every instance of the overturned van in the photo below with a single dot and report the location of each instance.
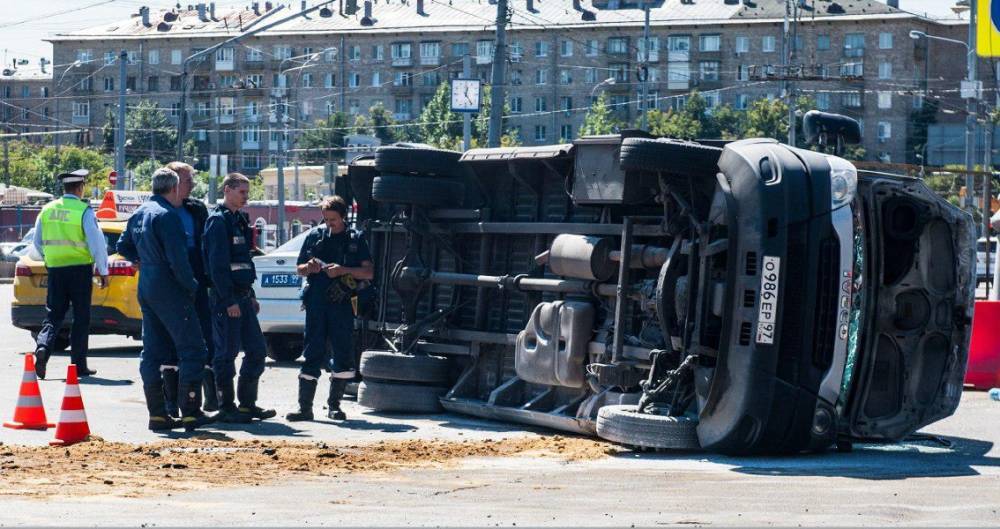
(741, 298)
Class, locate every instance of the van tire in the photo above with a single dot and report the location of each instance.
(403, 398)
(389, 366)
(417, 161)
(280, 349)
(683, 158)
(623, 424)
(410, 190)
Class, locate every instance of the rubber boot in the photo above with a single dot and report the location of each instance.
(246, 389)
(227, 404)
(307, 391)
(170, 392)
(211, 394)
(190, 404)
(337, 387)
(158, 418)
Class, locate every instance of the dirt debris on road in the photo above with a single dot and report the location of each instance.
(98, 467)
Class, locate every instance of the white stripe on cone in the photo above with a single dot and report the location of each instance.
(72, 391)
(72, 416)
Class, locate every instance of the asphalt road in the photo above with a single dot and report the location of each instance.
(916, 483)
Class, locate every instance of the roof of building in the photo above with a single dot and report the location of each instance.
(467, 15)
(25, 74)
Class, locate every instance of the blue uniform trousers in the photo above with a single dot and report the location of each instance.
(331, 323)
(232, 334)
(68, 285)
(170, 330)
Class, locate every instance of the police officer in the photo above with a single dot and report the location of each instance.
(337, 264)
(68, 237)
(167, 288)
(228, 242)
(193, 215)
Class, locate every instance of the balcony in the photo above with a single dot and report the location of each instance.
(402, 61)
(253, 64)
(401, 90)
(82, 90)
(279, 91)
(251, 145)
(251, 118)
(225, 66)
(81, 120)
(484, 59)
(434, 60)
(227, 119)
(252, 92)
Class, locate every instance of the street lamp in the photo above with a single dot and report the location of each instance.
(75, 64)
(608, 81)
(970, 118)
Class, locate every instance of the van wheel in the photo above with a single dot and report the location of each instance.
(405, 398)
(623, 424)
(386, 365)
(417, 161)
(281, 349)
(684, 158)
(430, 192)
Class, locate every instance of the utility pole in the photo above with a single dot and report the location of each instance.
(970, 118)
(497, 79)
(786, 54)
(297, 195)
(466, 117)
(643, 86)
(988, 193)
(6, 161)
(282, 147)
(120, 131)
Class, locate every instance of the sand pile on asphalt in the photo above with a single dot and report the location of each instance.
(97, 467)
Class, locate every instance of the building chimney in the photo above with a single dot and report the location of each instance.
(268, 6)
(531, 6)
(368, 20)
(303, 5)
(420, 8)
(144, 13)
(352, 7)
(211, 10)
(202, 13)
(256, 8)
(893, 3)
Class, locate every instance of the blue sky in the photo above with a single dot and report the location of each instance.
(24, 26)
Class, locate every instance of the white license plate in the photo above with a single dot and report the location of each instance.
(767, 311)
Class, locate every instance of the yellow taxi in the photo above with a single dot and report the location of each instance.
(114, 310)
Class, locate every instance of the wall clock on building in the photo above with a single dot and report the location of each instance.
(465, 95)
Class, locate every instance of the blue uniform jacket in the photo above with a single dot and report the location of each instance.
(154, 237)
(228, 243)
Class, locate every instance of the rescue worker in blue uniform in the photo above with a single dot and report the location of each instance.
(338, 265)
(73, 247)
(193, 215)
(228, 242)
(154, 238)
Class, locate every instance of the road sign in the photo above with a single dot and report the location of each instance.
(988, 28)
(113, 177)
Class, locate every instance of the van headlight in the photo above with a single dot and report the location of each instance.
(843, 182)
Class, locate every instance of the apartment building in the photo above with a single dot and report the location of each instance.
(857, 55)
(26, 105)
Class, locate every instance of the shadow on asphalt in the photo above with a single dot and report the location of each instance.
(363, 425)
(106, 352)
(909, 459)
(262, 428)
(98, 381)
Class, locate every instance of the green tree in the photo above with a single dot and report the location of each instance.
(437, 125)
(767, 118)
(729, 123)
(325, 139)
(599, 119)
(673, 124)
(36, 166)
(147, 133)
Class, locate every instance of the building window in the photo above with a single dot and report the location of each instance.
(354, 53)
(565, 103)
(654, 49)
(251, 135)
(540, 133)
(81, 109)
(154, 57)
(484, 51)
(709, 70)
(654, 75)
(109, 58)
(109, 84)
(742, 102)
(710, 43)
(565, 133)
(619, 71)
(254, 54)
(307, 80)
(823, 101)
(743, 73)
(767, 44)
(593, 47)
(713, 99)
(565, 77)
(541, 76)
(251, 161)
(430, 50)
(854, 45)
(175, 110)
(565, 48)
(353, 106)
(329, 80)
(84, 56)
(542, 48)
(884, 130)
(175, 57)
(227, 106)
(852, 69)
(354, 79)
(516, 104)
(851, 100)
(459, 49)
(617, 46)
(590, 75)
(330, 108)
(224, 56)
(330, 54)
(823, 42)
(282, 52)
(402, 79)
(541, 105)
(885, 100)
(516, 51)
(885, 41)
(130, 83)
(885, 70)
(376, 78)
(401, 50)
(203, 109)
(678, 76)
(742, 44)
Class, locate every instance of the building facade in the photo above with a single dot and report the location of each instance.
(855, 58)
(27, 109)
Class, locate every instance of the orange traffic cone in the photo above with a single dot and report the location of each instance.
(72, 426)
(29, 413)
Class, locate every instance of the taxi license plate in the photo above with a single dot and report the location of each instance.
(280, 280)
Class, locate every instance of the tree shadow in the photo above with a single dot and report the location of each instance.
(922, 458)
